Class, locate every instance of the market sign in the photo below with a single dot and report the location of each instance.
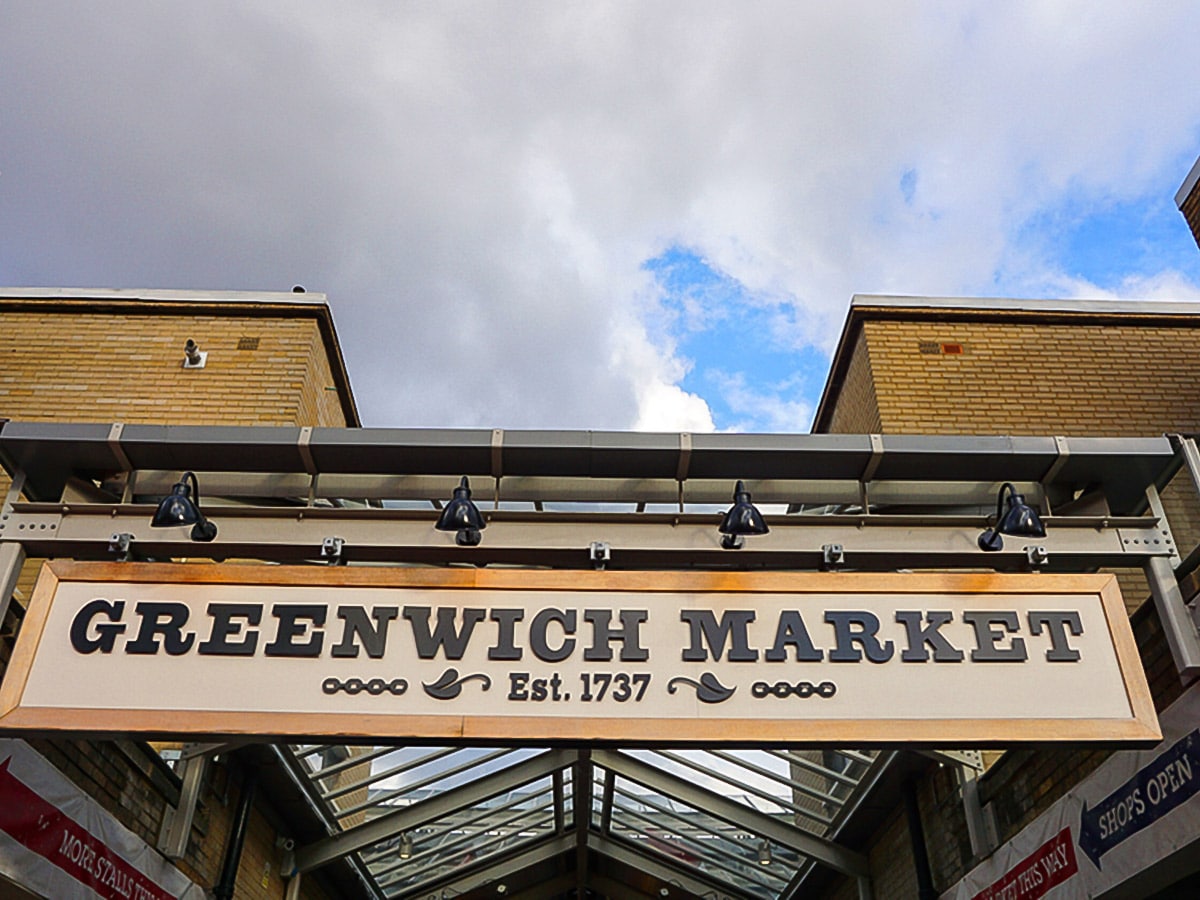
(520, 655)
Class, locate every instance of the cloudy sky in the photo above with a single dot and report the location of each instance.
(599, 215)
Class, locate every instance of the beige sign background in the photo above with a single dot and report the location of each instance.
(708, 657)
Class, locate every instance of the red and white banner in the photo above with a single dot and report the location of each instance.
(1137, 808)
(58, 842)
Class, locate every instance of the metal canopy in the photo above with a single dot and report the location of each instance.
(579, 821)
(52, 453)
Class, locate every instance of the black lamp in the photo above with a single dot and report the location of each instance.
(1014, 517)
(462, 516)
(742, 518)
(179, 508)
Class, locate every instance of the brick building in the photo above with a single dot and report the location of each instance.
(908, 365)
(106, 355)
(260, 404)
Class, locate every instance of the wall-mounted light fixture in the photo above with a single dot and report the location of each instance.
(179, 508)
(193, 356)
(462, 516)
(741, 519)
(406, 845)
(1013, 517)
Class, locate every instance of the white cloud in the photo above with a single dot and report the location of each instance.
(1165, 285)
(477, 189)
(765, 406)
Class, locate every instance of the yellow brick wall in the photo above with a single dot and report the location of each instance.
(100, 367)
(320, 403)
(1027, 376)
(67, 363)
(857, 411)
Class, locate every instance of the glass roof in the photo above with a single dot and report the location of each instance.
(732, 821)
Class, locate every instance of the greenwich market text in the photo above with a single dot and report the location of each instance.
(554, 635)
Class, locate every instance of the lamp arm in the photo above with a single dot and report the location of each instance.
(195, 490)
(1000, 499)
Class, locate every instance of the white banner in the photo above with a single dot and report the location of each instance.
(1139, 807)
(58, 842)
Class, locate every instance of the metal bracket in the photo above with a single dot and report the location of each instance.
(12, 557)
(14, 492)
(971, 760)
(600, 554)
(121, 544)
(684, 464)
(868, 472)
(331, 551)
(833, 554)
(211, 750)
(1156, 507)
(1037, 556)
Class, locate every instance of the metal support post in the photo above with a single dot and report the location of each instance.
(981, 823)
(12, 558)
(224, 888)
(177, 824)
(1191, 458)
(1180, 630)
(293, 887)
(916, 834)
(14, 492)
(581, 782)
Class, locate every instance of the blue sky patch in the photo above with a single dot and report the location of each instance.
(1130, 238)
(908, 186)
(740, 346)
(1107, 241)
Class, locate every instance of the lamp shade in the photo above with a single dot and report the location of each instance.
(463, 516)
(743, 517)
(176, 508)
(179, 508)
(1014, 517)
(1020, 519)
